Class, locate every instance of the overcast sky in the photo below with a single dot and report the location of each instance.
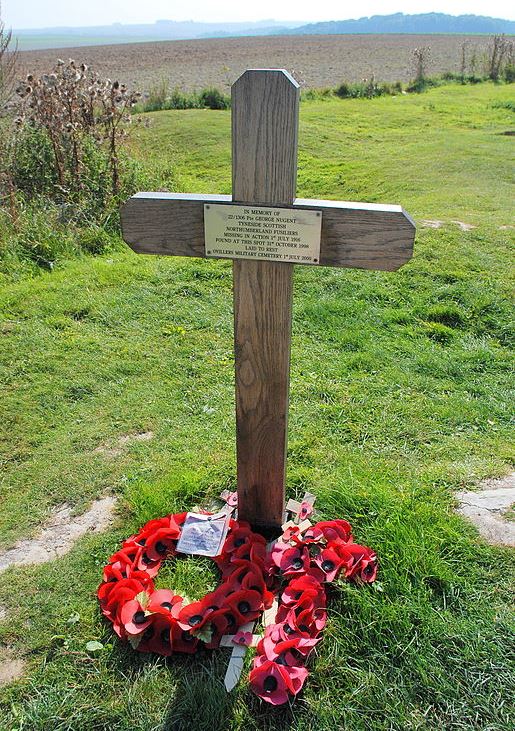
(46, 13)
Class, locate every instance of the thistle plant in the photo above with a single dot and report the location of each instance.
(74, 106)
(8, 60)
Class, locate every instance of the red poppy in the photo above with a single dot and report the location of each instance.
(113, 573)
(293, 561)
(279, 548)
(112, 594)
(306, 586)
(271, 682)
(126, 557)
(217, 599)
(161, 544)
(246, 605)
(331, 530)
(329, 563)
(164, 601)
(148, 529)
(253, 552)
(307, 623)
(368, 569)
(278, 651)
(192, 616)
(236, 570)
(242, 638)
(232, 499)
(218, 625)
(183, 640)
(158, 636)
(306, 509)
(134, 617)
(237, 538)
(145, 563)
(357, 557)
(291, 535)
(304, 643)
(306, 604)
(254, 580)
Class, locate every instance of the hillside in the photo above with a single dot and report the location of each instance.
(422, 23)
(163, 30)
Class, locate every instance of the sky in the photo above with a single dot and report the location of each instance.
(47, 13)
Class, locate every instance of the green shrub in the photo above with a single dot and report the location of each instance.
(420, 85)
(343, 91)
(33, 172)
(35, 176)
(158, 100)
(44, 236)
(317, 94)
(367, 89)
(182, 100)
(509, 73)
(157, 97)
(214, 99)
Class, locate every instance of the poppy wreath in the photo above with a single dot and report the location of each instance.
(296, 572)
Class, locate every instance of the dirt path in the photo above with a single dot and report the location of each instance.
(59, 534)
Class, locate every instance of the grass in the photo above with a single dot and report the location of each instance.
(399, 396)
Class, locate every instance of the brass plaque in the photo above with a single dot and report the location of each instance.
(258, 232)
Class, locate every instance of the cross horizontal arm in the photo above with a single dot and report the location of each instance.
(357, 235)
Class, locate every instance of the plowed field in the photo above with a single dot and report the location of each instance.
(315, 61)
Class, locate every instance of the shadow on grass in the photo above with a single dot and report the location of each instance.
(192, 694)
(201, 702)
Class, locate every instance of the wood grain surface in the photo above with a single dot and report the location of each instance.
(356, 235)
(265, 118)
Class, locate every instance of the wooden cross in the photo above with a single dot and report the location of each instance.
(265, 111)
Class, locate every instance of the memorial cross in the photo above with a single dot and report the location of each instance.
(265, 230)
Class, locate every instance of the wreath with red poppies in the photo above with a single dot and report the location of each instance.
(295, 571)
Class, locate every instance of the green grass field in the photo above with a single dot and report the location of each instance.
(399, 396)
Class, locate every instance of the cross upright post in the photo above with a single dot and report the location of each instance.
(264, 170)
(265, 229)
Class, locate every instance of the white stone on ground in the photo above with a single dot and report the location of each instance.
(464, 226)
(12, 666)
(430, 223)
(59, 534)
(117, 449)
(436, 223)
(485, 508)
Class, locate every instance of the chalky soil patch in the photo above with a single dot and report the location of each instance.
(486, 509)
(12, 666)
(59, 534)
(437, 223)
(112, 451)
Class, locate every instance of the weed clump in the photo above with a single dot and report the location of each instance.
(73, 109)
(367, 89)
(66, 170)
(214, 99)
(160, 98)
